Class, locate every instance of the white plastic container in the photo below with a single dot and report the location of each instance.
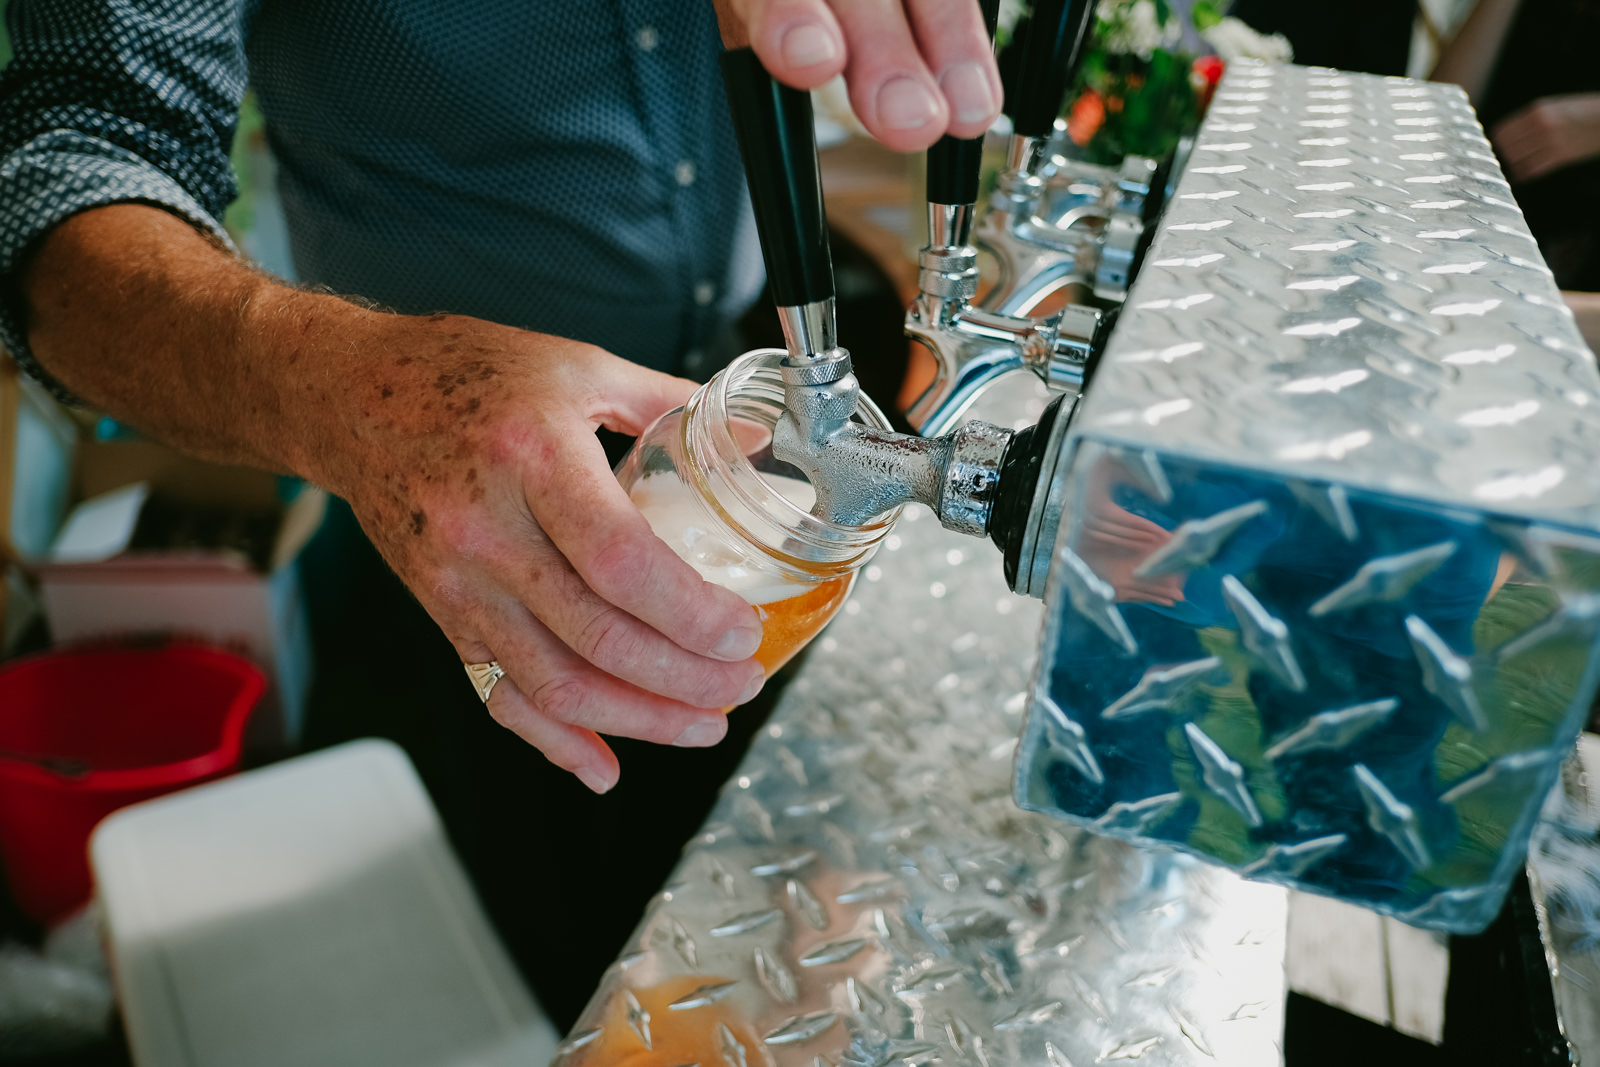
(308, 913)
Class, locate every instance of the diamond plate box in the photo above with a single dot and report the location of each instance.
(1326, 591)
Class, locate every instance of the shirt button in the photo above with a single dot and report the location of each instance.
(684, 172)
(647, 38)
(704, 293)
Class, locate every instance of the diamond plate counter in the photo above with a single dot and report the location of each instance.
(1325, 593)
(866, 892)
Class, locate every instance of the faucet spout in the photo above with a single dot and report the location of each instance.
(859, 472)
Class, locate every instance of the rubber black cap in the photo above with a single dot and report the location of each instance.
(1049, 45)
(954, 164)
(1019, 479)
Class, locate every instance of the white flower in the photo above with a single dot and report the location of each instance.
(1135, 28)
(1234, 40)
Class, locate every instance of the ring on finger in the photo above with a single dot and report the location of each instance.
(484, 676)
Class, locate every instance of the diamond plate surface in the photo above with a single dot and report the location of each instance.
(1344, 290)
(1324, 600)
(866, 893)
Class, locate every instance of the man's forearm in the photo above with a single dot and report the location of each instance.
(1586, 314)
(1469, 59)
(137, 312)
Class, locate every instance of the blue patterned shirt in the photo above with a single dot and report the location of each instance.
(567, 168)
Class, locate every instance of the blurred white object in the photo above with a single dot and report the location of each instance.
(1368, 965)
(37, 444)
(835, 120)
(1564, 878)
(56, 1001)
(307, 913)
(1235, 40)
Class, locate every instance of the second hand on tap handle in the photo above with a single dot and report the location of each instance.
(779, 147)
(954, 163)
(1049, 53)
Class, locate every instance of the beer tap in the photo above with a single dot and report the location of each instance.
(857, 472)
(979, 479)
(1054, 224)
(972, 346)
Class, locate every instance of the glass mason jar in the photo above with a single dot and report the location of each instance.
(705, 477)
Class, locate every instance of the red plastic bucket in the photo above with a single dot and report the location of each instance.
(84, 732)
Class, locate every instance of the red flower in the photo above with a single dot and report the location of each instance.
(1088, 114)
(1204, 75)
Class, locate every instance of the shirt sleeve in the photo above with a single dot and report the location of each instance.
(107, 101)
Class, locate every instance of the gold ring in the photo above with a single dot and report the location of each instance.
(483, 676)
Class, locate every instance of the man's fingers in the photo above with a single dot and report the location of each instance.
(561, 705)
(912, 74)
(555, 684)
(891, 89)
(619, 644)
(571, 748)
(608, 542)
(955, 46)
(798, 41)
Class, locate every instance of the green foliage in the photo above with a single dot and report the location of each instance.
(1149, 104)
(1205, 14)
(240, 218)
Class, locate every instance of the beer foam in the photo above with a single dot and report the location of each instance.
(682, 522)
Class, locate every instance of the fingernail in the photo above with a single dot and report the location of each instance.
(904, 104)
(596, 781)
(752, 689)
(737, 644)
(703, 734)
(807, 45)
(966, 86)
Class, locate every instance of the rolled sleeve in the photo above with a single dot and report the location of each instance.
(110, 102)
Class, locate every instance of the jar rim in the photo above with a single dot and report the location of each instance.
(833, 542)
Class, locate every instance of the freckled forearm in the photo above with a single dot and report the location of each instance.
(142, 316)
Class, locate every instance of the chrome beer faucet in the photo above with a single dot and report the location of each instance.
(971, 344)
(858, 472)
(1054, 222)
(1060, 223)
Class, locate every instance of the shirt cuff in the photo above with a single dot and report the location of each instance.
(54, 176)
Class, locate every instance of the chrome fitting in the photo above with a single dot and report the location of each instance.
(972, 477)
(949, 225)
(809, 332)
(1023, 176)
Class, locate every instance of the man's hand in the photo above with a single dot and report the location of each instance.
(1550, 133)
(473, 466)
(915, 69)
(466, 449)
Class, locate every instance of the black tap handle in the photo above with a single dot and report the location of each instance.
(953, 164)
(1050, 45)
(779, 148)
